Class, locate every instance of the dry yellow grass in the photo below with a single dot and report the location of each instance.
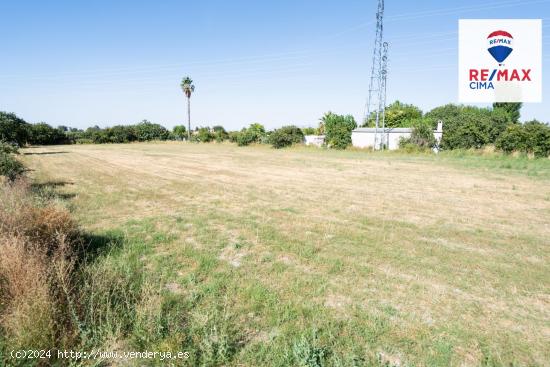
(443, 251)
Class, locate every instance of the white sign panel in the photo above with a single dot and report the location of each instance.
(500, 60)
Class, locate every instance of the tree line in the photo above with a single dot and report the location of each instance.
(464, 127)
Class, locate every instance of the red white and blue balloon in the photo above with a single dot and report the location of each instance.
(500, 45)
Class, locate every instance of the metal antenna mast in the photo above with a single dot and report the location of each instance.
(375, 86)
(382, 94)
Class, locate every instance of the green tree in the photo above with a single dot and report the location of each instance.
(512, 109)
(422, 136)
(513, 139)
(466, 127)
(538, 138)
(8, 148)
(180, 132)
(253, 134)
(533, 137)
(203, 135)
(286, 136)
(219, 133)
(121, 134)
(397, 114)
(147, 131)
(338, 130)
(44, 134)
(10, 167)
(13, 129)
(188, 89)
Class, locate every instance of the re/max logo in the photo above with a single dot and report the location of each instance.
(506, 75)
(500, 41)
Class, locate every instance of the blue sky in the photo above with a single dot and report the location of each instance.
(278, 62)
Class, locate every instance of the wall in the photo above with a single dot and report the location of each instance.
(317, 140)
(364, 137)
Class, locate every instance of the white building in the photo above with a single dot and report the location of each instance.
(364, 137)
(317, 140)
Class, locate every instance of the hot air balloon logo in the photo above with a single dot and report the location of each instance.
(500, 45)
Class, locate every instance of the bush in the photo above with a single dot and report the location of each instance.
(468, 127)
(422, 137)
(514, 138)
(44, 134)
(531, 138)
(120, 134)
(202, 135)
(147, 131)
(512, 109)
(179, 132)
(36, 271)
(246, 137)
(338, 130)
(219, 133)
(8, 148)
(10, 167)
(13, 129)
(253, 134)
(286, 136)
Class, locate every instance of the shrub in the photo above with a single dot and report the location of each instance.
(219, 133)
(179, 132)
(253, 134)
(44, 134)
(512, 109)
(246, 137)
(468, 127)
(147, 131)
(36, 271)
(286, 136)
(512, 139)
(338, 130)
(40, 226)
(120, 134)
(203, 135)
(27, 315)
(10, 167)
(233, 136)
(13, 129)
(532, 138)
(422, 137)
(8, 148)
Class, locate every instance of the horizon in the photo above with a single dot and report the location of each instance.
(275, 64)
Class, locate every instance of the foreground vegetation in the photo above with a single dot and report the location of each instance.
(296, 257)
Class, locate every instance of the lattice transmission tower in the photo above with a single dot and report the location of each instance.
(376, 101)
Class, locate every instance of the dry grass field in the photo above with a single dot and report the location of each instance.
(321, 257)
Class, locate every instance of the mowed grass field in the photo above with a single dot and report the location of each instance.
(314, 257)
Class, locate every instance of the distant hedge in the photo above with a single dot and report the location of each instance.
(466, 127)
(285, 136)
(530, 138)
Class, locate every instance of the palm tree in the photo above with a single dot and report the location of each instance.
(188, 88)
